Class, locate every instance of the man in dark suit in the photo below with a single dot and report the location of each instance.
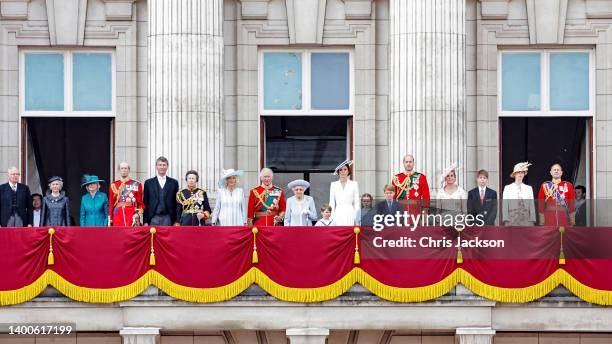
(160, 196)
(389, 206)
(581, 205)
(15, 202)
(482, 200)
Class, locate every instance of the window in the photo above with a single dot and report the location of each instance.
(60, 83)
(548, 82)
(306, 82)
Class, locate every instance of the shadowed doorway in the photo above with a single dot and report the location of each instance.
(67, 147)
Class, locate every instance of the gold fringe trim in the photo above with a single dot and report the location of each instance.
(584, 292)
(203, 295)
(512, 295)
(99, 295)
(27, 293)
(306, 294)
(417, 294)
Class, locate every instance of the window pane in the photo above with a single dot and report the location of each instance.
(569, 81)
(283, 81)
(44, 82)
(330, 85)
(520, 82)
(92, 82)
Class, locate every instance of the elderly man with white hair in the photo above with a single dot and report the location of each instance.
(15, 202)
(266, 202)
(125, 200)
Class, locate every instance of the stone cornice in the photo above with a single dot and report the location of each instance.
(357, 9)
(254, 9)
(494, 9)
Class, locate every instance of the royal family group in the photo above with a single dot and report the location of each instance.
(160, 202)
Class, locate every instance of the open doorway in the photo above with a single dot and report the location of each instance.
(67, 147)
(306, 147)
(544, 141)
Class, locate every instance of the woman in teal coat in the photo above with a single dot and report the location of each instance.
(94, 204)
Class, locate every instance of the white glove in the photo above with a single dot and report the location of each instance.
(305, 212)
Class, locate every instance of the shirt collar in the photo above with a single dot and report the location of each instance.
(13, 185)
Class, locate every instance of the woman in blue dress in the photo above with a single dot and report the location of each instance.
(94, 204)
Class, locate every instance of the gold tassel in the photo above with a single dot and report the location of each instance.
(152, 256)
(357, 259)
(255, 259)
(51, 258)
(459, 254)
(561, 253)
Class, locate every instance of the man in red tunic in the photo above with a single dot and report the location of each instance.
(266, 202)
(411, 188)
(125, 200)
(556, 200)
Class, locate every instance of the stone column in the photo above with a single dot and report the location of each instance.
(186, 87)
(475, 335)
(427, 85)
(307, 335)
(140, 335)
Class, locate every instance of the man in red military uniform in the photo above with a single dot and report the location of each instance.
(556, 200)
(125, 200)
(266, 202)
(411, 188)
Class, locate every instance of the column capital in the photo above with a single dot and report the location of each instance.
(307, 335)
(475, 335)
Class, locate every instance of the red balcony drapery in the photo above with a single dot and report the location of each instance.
(300, 264)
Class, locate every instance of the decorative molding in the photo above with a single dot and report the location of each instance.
(254, 9)
(118, 9)
(66, 20)
(14, 9)
(140, 335)
(494, 9)
(599, 9)
(475, 335)
(357, 9)
(306, 19)
(541, 17)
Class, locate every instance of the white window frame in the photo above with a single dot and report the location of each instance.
(545, 85)
(306, 82)
(68, 91)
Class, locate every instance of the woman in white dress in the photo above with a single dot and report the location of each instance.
(230, 207)
(301, 209)
(344, 196)
(451, 198)
(518, 208)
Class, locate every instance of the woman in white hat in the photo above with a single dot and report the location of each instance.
(230, 207)
(344, 196)
(301, 209)
(518, 208)
(451, 198)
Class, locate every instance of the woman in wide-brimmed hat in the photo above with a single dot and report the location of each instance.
(56, 206)
(94, 204)
(518, 205)
(301, 209)
(230, 207)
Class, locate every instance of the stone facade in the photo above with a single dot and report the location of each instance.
(195, 76)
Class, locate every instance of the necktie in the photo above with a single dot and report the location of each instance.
(14, 187)
(482, 195)
(389, 205)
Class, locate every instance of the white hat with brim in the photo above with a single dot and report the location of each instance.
(346, 162)
(520, 167)
(446, 172)
(229, 173)
(298, 182)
